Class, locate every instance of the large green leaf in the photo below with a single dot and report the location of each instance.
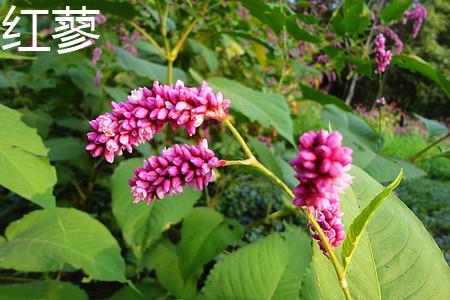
(270, 268)
(396, 257)
(394, 10)
(142, 224)
(435, 128)
(145, 68)
(360, 222)
(43, 241)
(39, 290)
(270, 110)
(317, 96)
(24, 166)
(205, 233)
(416, 64)
(362, 139)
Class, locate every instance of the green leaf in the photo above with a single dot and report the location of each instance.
(416, 64)
(25, 169)
(142, 224)
(394, 10)
(84, 79)
(270, 110)
(7, 55)
(266, 156)
(317, 96)
(146, 69)
(299, 33)
(148, 288)
(168, 267)
(205, 233)
(43, 242)
(396, 257)
(64, 148)
(268, 15)
(356, 16)
(37, 119)
(38, 290)
(246, 35)
(435, 128)
(360, 222)
(73, 123)
(270, 268)
(208, 55)
(117, 94)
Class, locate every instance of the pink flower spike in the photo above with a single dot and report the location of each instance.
(165, 175)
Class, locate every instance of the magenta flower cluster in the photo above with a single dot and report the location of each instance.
(321, 167)
(330, 221)
(177, 166)
(417, 14)
(383, 57)
(147, 110)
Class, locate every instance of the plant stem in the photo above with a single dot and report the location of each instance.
(239, 138)
(170, 71)
(252, 161)
(148, 37)
(424, 150)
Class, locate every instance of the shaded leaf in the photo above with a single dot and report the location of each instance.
(270, 110)
(205, 233)
(144, 68)
(208, 55)
(299, 33)
(394, 10)
(38, 290)
(148, 288)
(416, 64)
(435, 128)
(64, 148)
(317, 96)
(42, 242)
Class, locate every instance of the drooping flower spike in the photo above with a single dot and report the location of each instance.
(136, 121)
(166, 175)
(330, 220)
(321, 167)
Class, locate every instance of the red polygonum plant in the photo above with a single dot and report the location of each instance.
(321, 166)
